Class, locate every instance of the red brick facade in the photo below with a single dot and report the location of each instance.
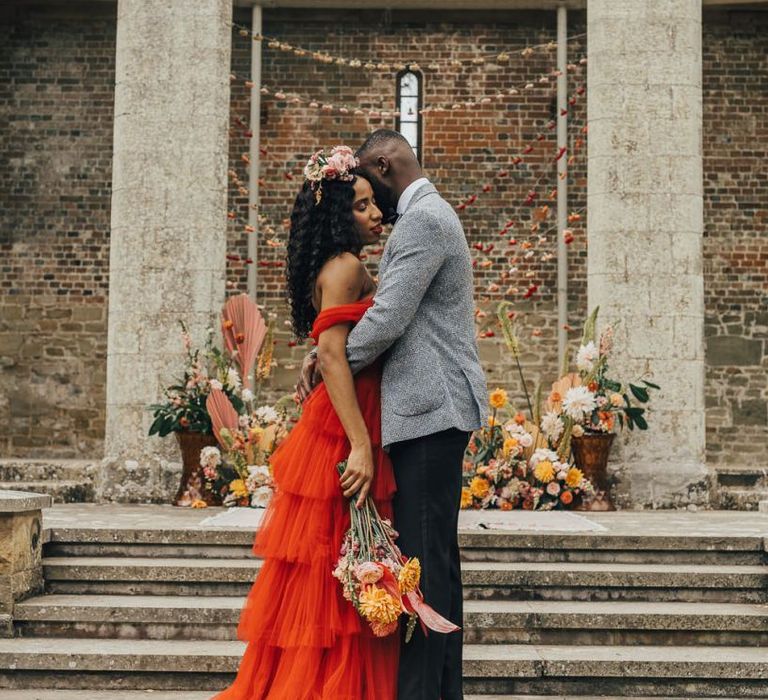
(56, 77)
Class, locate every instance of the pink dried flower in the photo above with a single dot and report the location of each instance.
(368, 572)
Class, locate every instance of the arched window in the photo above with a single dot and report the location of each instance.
(409, 102)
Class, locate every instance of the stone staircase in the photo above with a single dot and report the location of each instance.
(741, 488)
(561, 615)
(65, 480)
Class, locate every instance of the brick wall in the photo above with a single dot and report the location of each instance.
(462, 151)
(56, 75)
(56, 106)
(736, 236)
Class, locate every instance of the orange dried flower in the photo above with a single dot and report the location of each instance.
(498, 398)
(573, 477)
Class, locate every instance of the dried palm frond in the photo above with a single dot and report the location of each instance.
(244, 329)
(222, 413)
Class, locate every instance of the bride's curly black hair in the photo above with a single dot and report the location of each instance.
(319, 232)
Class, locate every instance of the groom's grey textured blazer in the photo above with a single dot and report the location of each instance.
(422, 322)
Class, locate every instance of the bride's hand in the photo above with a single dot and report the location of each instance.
(358, 475)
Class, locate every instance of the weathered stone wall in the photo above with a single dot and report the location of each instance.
(56, 117)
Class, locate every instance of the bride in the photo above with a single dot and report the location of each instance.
(305, 641)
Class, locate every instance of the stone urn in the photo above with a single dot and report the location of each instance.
(192, 485)
(590, 453)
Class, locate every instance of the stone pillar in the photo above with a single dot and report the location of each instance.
(169, 197)
(21, 546)
(645, 229)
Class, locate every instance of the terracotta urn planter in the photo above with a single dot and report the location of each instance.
(192, 484)
(590, 453)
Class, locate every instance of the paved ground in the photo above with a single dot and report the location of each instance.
(715, 523)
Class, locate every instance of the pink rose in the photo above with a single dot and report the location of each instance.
(553, 488)
(368, 572)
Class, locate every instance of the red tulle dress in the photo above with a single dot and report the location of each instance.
(305, 641)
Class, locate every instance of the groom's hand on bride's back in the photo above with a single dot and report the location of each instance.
(309, 378)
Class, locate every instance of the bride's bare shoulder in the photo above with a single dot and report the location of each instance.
(344, 276)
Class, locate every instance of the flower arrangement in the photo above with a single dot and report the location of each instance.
(186, 410)
(239, 472)
(509, 466)
(589, 401)
(184, 406)
(245, 332)
(377, 579)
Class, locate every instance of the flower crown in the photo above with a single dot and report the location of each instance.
(336, 166)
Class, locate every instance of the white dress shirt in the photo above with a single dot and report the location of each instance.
(407, 195)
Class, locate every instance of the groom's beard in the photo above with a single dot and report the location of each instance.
(390, 216)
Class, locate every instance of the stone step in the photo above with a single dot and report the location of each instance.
(106, 664)
(742, 499)
(485, 622)
(48, 470)
(742, 477)
(62, 491)
(494, 580)
(473, 549)
(477, 545)
(740, 488)
(48, 694)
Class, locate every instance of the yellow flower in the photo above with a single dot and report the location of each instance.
(410, 575)
(254, 434)
(376, 605)
(198, 503)
(238, 488)
(509, 444)
(544, 471)
(479, 487)
(617, 400)
(492, 422)
(498, 398)
(466, 497)
(573, 477)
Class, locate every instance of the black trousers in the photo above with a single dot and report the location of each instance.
(428, 472)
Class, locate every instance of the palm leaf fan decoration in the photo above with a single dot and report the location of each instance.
(223, 414)
(244, 329)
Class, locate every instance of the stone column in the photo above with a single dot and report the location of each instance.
(167, 247)
(645, 228)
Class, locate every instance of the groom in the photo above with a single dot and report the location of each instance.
(433, 392)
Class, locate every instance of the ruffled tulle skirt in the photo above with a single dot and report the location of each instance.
(305, 641)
